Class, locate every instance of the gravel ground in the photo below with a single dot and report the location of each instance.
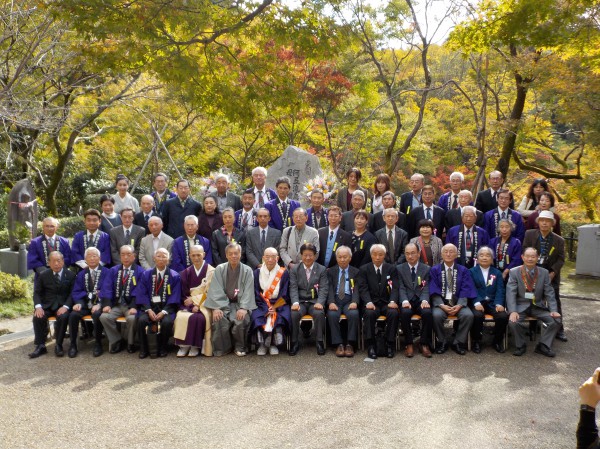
(476, 401)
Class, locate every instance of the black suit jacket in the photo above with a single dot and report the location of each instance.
(406, 202)
(173, 215)
(204, 229)
(139, 220)
(400, 241)
(453, 218)
(485, 201)
(378, 222)
(413, 292)
(53, 295)
(418, 213)
(371, 291)
(333, 275)
(347, 223)
(342, 238)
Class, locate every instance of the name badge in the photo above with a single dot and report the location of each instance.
(156, 299)
(91, 295)
(541, 260)
(501, 264)
(468, 254)
(529, 295)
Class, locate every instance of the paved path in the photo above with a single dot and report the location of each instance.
(475, 401)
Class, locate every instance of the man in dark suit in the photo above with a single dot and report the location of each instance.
(487, 199)
(225, 198)
(388, 200)
(161, 193)
(414, 300)
(392, 237)
(343, 299)
(450, 290)
(308, 295)
(145, 213)
(126, 234)
(86, 300)
(453, 217)
(52, 297)
(551, 250)
(378, 288)
(176, 209)
(427, 210)
(358, 203)
(331, 238)
(490, 299)
(259, 238)
(529, 293)
(262, 195)
(412, 199)
(40, 247)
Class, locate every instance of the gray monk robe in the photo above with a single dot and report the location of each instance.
(229, 291)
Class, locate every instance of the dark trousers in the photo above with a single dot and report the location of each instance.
(166, 329)
(392, 318)
(40, 327)
(352, 316)
(500, 323)
(318, 316)
(75, 318)
(426, 323)
(556, 287)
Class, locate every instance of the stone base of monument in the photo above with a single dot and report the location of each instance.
(12, 262)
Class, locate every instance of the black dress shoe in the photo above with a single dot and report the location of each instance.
(294, 349)
(320, 348)
(541, 348)
(115, 348)
(561, 336)
(131, 349)
(499, 347)
(440, 348)
(391, 351)
(73, 351)
(98, 351)
(163, 353)
(38, 351)
(58, 351)
(458, 349)
(371, 353)
(520, 351)
(476, 347)
(143, 354)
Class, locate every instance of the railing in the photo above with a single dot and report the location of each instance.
(571, 246)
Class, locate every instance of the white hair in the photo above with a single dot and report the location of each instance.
(377, 246)
(459, 174)
(222, 176)
(190, 218)
(343, 248)
(262, 170)
(468, 209)
(92, 249)
(390, 210)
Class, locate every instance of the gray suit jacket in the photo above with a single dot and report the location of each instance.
(400, 241)
(543, 292)
(313, 290)
(415, 292)
(289, 247)
(117, 239)
(146, 254)
(254, 251)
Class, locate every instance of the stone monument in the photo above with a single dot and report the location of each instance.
(296, 164)
(22, 214)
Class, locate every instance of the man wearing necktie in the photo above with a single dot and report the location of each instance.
(492, 217)
(125, 234)
(449, 200)
(317, 214)
(262, 194)
(343, 298)
(91, 237)
(145, 213)
(41, 247)
(467, 237)
(52, 297)
(394, 238)
(450, 289)
(331, 237)
(259, 238)
(245, 218)
(428, 211)
(282, 208)
(414, 300)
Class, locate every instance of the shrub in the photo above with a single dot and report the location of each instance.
(69, 226)
(12, 288)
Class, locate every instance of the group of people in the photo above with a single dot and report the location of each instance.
(235, 271)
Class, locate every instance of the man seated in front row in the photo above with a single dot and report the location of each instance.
(490, 300)
(343, 299)
(378, 287)
(450, 289)
(52, 297)
(308, 295)
(118, 299)
(158, 297)
(414, 300)
(86, 300)
(231, 298)
(530, 293)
